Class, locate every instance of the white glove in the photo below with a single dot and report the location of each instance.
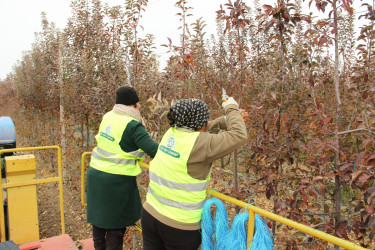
(228, 102)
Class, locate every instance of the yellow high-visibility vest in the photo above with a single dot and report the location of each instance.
(172, 191)
(108, 155)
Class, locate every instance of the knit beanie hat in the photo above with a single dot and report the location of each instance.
(126, 95)
(189, 113)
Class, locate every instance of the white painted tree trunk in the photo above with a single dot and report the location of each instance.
(62, 96)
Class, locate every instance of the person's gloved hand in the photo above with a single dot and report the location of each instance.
(229, 101)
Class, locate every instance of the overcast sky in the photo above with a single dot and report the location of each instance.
(20, 19)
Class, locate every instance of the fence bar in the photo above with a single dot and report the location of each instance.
(33, 182)
(250, 227)
(83, 177)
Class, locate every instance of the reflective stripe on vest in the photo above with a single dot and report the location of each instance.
(182, 205)
(137, 154)
(114, 160)
(172, 191)
(108, 155)
(190, 187)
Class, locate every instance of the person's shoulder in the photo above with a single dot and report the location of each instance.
(135, 126)
(204, 137)
(135, 123)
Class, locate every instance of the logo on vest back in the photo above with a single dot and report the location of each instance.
(171, 144)
(107, 133)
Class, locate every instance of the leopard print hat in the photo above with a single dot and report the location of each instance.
(189, 113)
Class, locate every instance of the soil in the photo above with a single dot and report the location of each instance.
(50, 217)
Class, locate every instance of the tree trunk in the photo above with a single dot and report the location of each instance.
(235, 171)
(337, 194)
(183, 49)
(242, 79)
(87, 132)
(82, 134)
(282, 60)
(62, 96)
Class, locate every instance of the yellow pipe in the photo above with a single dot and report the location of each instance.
(138, 228)
(61, 190)
(83, 177)
(59, 179)
(33, 182)
(142, 164)
(311, 231)
(250, 226)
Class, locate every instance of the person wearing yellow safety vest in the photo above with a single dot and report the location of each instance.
(180, 172)
(113, 200)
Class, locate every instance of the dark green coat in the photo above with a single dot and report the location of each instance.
(113, 200)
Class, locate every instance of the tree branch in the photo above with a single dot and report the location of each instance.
(355, 130)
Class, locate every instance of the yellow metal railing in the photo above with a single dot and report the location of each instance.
(252, 211)
(34, 182)
(83, 178)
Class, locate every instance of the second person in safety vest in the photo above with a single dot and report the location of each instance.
(180, 172)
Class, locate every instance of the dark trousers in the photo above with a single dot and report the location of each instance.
(108, 239)
(158, 236)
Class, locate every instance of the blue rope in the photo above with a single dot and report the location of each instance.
(237, 235)
(220, 223)
(262, 239)
(226, 238)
